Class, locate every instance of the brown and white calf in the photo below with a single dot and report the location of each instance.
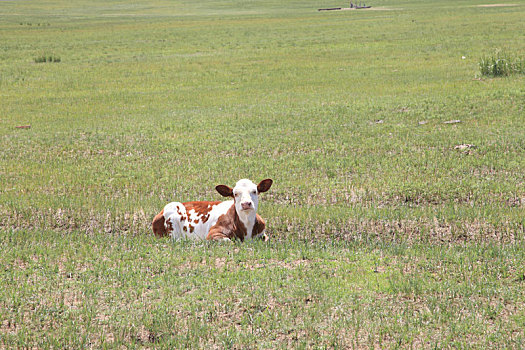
(232, 219)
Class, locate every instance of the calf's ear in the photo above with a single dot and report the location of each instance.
(224, 190)
(264, 185)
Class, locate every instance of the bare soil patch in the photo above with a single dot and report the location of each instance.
(368, 9)
(497, 5)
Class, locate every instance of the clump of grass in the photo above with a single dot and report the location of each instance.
(501, 65)
(46, 58)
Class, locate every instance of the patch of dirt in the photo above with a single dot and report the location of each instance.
(369, 9)
(516, 202)
(230, 265)
(9, 327)
(220, 262)
(73, 299)
(271, 263)
(145, 336)
(497, 5)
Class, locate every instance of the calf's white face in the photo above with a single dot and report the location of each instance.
(245, 194)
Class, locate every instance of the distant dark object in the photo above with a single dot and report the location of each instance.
(352, 7)
(356, 6)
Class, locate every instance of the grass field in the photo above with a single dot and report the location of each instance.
(390, 227)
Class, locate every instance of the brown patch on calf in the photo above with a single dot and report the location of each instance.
(201, 208)
(169, 226)
(158, 225)
(230, 226)
(227, 226)
(259, 225)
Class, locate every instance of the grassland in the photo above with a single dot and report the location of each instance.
(384, 232)
(136, 291)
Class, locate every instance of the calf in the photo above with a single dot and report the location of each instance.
(227, 220)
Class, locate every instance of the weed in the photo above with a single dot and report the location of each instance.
(501, 64)
(47, 58)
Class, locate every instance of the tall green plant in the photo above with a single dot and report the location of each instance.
(501, 64)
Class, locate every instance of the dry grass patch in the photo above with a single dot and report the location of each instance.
(497, 5)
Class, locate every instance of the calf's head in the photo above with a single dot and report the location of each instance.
(245, 194)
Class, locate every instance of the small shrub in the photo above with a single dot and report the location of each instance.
(501, 65)
(46, 58)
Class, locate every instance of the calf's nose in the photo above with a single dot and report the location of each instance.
(246, 205)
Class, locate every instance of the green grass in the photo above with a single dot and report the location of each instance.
(155, 101)
(101, 290)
